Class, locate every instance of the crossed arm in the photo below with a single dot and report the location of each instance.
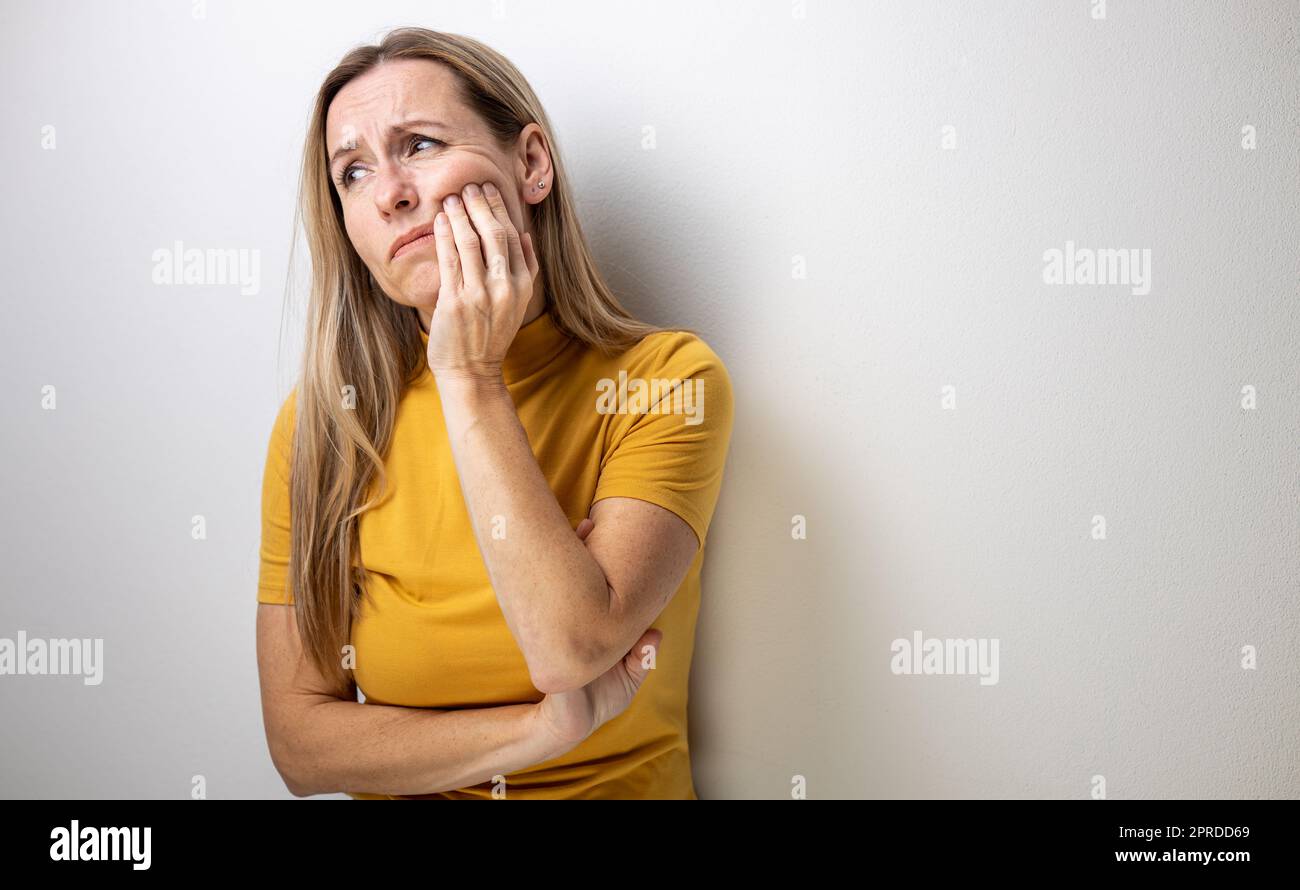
(575, 608)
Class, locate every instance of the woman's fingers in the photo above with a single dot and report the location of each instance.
(468, 243)
(448, 257)
(530, 256)
(644, 654)
(584, 528)
(493, 234)
(515, 246)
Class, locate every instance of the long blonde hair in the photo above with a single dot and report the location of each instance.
(357, 336)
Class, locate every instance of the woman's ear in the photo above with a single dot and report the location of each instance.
(534, 165)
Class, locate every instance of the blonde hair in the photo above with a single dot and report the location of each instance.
(357, 336)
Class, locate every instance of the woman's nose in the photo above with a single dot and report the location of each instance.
(394, 189)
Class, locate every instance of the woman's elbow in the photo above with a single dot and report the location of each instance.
(574, 671)
(296, 788)
(289, 766)
(548, 683)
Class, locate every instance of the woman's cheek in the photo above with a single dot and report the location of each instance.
(453, 176)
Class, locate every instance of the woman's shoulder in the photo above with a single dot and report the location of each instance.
(672, 353)
(289, 408)
(672, 364)
(285, 417)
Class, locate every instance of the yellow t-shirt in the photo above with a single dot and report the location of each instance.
(435, 636)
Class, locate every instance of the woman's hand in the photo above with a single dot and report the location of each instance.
(572, 716)
(487, 273)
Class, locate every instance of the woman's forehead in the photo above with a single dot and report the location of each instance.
(394, 94)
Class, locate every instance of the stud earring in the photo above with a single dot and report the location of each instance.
(541, 183)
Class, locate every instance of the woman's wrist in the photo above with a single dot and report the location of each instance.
(547, 735)
(473, 378)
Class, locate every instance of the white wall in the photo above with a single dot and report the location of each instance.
(777, 137)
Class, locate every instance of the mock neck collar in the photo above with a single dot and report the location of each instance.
(535, 345)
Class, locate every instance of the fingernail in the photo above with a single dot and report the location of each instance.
(471, 190)
(489, 189)
(451, 201)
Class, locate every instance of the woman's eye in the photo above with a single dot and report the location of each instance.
(345, 180)
(418, 139)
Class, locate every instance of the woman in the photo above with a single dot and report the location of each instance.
(471, 391)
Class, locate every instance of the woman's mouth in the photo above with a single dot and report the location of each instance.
(422, 241)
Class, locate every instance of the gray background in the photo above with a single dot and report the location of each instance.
(776, 136)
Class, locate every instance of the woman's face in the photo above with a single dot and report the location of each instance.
(399, 141)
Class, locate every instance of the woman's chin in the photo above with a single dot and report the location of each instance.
(423, 297)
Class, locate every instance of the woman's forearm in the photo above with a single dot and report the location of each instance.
(547, 583)
(340, 746)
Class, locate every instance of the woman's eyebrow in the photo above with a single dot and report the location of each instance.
(395, 128)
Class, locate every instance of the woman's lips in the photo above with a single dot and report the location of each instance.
(413, 245)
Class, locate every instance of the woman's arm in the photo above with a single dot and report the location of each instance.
(349, 746)
(320, 742)
(552, 592)
(572, 610)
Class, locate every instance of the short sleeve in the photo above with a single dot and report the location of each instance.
(272, 579)
(671, 447)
